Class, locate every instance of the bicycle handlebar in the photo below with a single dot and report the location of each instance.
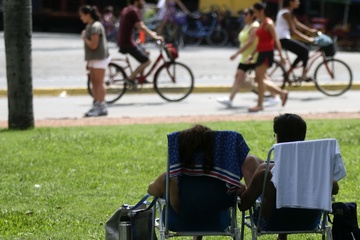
(160, 43)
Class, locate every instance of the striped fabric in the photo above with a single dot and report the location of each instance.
(229, 155)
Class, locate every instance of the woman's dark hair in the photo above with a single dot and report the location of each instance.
(92, 10)
(289, 128)
(286, 3)
(197, 140)
(251, 12)
(259, 6)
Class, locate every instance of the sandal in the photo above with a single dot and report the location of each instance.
(256, 109)
(284, 98)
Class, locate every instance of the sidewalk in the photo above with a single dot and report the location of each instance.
(135, 106)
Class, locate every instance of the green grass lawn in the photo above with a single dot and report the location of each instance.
(63, 183)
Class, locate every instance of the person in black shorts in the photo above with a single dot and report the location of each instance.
(248, 41)
(132, 17)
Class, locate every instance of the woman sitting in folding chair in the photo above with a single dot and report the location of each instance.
(200, 194)
(287, 128)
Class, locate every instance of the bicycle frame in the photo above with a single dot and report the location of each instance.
(142, 78)
(312, 58)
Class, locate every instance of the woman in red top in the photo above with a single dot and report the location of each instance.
(266, 38)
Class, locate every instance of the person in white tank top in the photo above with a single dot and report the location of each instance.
(288, 26)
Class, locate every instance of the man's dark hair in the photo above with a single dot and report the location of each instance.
(289, 128)
(195, 140)
(132, 1)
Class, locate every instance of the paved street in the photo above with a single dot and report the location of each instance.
(151, 105)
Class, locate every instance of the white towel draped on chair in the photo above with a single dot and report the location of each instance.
(291, 173)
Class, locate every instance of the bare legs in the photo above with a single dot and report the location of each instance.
(275, 89)
(97, 81)
(239, 78)
(259, 78)
(139, 70)
(98, 90)
(263, 83)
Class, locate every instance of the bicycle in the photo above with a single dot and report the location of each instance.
(173, 81)
(198, 27)
(332, 76)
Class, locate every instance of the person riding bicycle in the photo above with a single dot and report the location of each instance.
(170, 13)
(288, 25)
(132, 17)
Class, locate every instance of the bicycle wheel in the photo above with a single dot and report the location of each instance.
(114, 83)
(173, 81)
(333, 77)
(277, 74)
(218, 38)
(190, 38)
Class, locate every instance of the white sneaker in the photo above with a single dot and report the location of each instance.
(98, 109)
(226, 101)
(272, 101)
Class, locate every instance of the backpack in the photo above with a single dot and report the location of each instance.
(345, 224)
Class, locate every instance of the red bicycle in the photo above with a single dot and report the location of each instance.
(172, 80)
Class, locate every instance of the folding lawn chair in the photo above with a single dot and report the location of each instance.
(303, 176)
(208, 199)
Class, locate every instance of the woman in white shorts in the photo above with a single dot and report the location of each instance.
(97, 57)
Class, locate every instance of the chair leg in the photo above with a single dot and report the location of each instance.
(328, 233)
(242, 225)
(236, 234)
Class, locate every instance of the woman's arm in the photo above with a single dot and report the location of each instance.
(303, 27)
(157, 187)
(93, 42)
(293, 28)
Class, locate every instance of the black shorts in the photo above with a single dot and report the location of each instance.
(137, 52)
(246, 67)
(265, 57)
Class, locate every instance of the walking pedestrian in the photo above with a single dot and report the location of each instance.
(266, 38)
(170, 13)
(97, 57)
(248, 42)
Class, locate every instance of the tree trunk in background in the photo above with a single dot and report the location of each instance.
(17, 35)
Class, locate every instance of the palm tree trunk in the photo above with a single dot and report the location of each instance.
(17, 32)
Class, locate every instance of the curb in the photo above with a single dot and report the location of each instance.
(78, 91)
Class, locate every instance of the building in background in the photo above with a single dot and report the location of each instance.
(62, 15)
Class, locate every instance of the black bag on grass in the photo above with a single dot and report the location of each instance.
(132, 222)
(345, 224)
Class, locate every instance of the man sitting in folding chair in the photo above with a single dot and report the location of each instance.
(290, 128)
(203, 182)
